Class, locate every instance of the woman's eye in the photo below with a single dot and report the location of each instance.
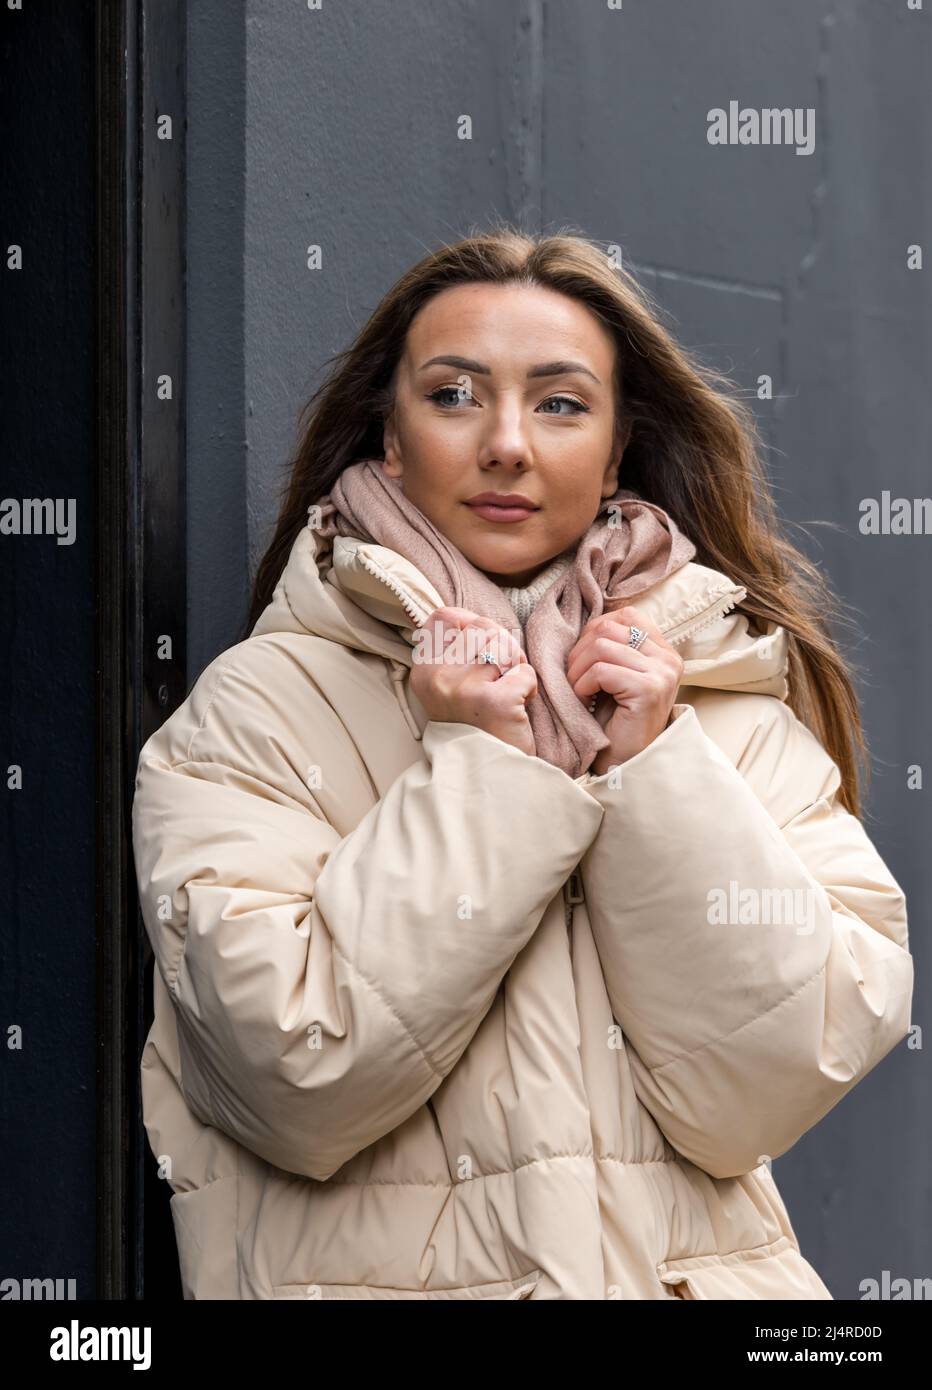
(566, 400)
(458, 392)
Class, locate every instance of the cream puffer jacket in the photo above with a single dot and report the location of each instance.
(435, 1020)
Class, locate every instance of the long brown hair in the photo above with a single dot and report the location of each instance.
(694, 450)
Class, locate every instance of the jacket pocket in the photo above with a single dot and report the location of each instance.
(776, 1270)
(504, 1290)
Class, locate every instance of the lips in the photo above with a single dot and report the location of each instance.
(508, 510)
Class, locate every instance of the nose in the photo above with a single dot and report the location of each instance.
(506, 444)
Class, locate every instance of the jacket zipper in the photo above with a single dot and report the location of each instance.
(687, 626)
(413, 610)
(572, 896)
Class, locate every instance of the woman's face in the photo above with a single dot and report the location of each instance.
(506, 389)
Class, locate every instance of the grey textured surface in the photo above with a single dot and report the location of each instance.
(217, 278)
(337, 127)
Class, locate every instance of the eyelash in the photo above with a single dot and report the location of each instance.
(439, 391)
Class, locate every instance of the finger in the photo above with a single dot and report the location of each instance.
(617, 625)
(636, 617)
(605, 647)
(519, 681)
(523, 679)
(456, 636)
(610, 679)
(495, 659)
(495, 664)
(487, 634)
(505, 649)
(608, 628)
(452, 617)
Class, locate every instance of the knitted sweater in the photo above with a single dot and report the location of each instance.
(524, 597)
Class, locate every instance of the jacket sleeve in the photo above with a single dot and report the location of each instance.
(324, 985)
(753, 942)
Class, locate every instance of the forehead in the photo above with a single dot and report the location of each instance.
(529, 322)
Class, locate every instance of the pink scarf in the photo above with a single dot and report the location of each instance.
(622, 554)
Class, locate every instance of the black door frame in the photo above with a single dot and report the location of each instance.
(141, 608)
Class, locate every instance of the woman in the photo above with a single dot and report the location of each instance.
(507, 889)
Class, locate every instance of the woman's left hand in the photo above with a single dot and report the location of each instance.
(642, 682)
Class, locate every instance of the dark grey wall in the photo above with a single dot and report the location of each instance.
(338, 126)
(215, 153)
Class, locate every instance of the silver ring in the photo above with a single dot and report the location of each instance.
(487, 659)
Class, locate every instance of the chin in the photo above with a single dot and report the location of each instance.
(515, 580)
(501, 560)
(494, 564)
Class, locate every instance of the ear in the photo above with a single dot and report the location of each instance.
(392, 465)
(610, 483)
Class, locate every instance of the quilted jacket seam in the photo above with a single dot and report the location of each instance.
(752, 1252)
(393, 1012)
(241, 772)
(221, 677)
(447, 1183)
(748, 1023)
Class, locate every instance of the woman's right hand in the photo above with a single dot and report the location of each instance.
(451, 686)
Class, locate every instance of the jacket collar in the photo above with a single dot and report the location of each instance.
(372, 599)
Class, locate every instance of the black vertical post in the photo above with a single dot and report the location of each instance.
(141, 573)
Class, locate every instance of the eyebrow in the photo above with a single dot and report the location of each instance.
(560, 368)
